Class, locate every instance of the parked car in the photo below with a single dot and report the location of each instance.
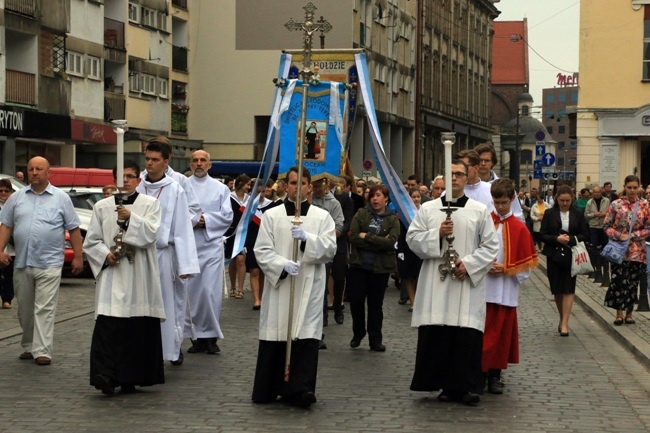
(84, 198)
(14, 182)
(84, 218)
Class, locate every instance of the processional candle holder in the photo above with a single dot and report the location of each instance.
(450, 256)
(120, 249)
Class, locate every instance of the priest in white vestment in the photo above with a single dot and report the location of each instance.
(126, 347)
(176, 247)
(204, 291)
(450, 314)
(273, 251)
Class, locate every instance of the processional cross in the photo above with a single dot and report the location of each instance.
(308, 27)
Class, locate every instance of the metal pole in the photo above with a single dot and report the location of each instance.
(308, 27)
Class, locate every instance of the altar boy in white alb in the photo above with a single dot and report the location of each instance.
(175, 245)
(273, 251)
(205, 291)
(126, 346)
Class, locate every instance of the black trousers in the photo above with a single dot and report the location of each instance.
(366, 286)
(269, 373)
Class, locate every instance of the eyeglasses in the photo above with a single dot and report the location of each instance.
(130, 176)
(486, 161)
(458, 174)
(2, 191)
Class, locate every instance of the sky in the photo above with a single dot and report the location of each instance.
(553, 30)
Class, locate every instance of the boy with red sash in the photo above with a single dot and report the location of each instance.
(515, 260)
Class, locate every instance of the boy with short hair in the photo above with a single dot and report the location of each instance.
(515, 260)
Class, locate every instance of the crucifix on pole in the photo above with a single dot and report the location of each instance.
(308, 27)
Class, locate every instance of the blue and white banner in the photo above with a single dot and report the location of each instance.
(324, 136)
(271, 150)
(399, 196)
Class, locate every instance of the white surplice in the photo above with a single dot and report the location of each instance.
(205, 291)
(176, 256)
(127, 289)
(452, 302)
(480, 192)
(273, 250)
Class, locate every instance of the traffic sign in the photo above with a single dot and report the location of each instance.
(539, 135)
(366, 174)
(367, 164)
(540, 148)
(548, 169)
(537, 164)
(551, 176)
(548, 159)
(537, 174)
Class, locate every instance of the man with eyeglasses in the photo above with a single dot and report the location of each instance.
(126, 348)
(450, 313)
(478, 190)
(37, 217)
(487, 160)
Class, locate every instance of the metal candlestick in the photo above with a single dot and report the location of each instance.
(120, 249)
(451, 255)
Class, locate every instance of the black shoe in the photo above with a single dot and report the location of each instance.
(444, 397)
(355, 342)
(470, 399)
(378, 347)
(322, 345)
(212, 347)
(199, 345)
(338, 317)
(494, 385)
(305, 399)
(179, 361)
(105, 384)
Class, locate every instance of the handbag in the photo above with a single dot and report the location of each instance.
(614, 251)
(580, 262)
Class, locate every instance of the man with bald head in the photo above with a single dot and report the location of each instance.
(204, 290)
(37, 217)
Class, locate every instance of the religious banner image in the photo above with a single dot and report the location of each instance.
(323, 134)
(315, 144)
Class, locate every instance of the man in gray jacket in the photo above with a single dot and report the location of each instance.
(595, 215)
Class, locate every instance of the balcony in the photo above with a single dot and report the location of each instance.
(113, 34)
(114, 106)
(179, 58)
(24, 7)
(21, 88)
(180, 3)
(179, 122)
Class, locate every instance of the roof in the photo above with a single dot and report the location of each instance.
(510, 59)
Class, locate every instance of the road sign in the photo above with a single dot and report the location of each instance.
(539, 135)
(548, 169)
(569, 175)
(537, 164)
(540, 148)
(551, 176)
(367, 164)
(366, 174)
(537, 174)
(548, 159)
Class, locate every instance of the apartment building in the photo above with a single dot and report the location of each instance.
(613, 112)
(70, 66)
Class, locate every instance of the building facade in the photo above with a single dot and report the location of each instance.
(613, 112)
(555, 119)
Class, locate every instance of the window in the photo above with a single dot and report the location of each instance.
(162, 21)
(148, 85)
(646, 42)
(550, 98)
(74, 64)
(549, 129)
(163, 88)
(149, 17)
(574, 144)
(561, 129)
(561, 97)
(134, 82)
(134, 13)
(94, 68)
(574, 97)
(58, 59)
(560, 144)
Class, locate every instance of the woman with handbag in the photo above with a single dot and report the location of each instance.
(563, 226)
(627, 221)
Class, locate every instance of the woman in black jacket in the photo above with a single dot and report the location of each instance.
(563, 226)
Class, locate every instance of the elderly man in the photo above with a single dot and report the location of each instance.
(20, 176)
(38, 216)
(437, 187)
(205, 290)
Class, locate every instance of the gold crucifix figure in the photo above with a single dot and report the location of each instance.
(309, 27)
